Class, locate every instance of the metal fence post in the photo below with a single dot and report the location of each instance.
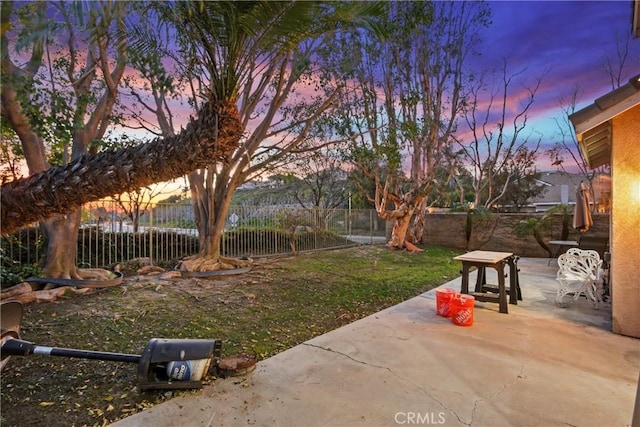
(150, 234)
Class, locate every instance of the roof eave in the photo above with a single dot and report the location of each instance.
(594, 114)
(592, 123)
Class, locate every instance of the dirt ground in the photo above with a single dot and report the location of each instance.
(53, 391)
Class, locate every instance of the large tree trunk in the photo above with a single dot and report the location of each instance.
(211, 198)
(200, 202)
(211, 244)
(402, 215)
(214, 135)
(209, 214)
(210, 210)
(61, 234)
(415, 233)
(399, 232)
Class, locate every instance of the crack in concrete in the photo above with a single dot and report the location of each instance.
(392, 372)
(498, 393)
(347, 356)
(519, 376)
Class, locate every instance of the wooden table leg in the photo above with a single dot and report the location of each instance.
(515, 293)
(481, 280)
(464, 289)
(502, 292)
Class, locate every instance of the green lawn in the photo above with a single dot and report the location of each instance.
(282, 302)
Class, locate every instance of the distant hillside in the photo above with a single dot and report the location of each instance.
(267, 195)
(272, 193)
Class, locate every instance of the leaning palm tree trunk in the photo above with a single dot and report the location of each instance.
(214, 135)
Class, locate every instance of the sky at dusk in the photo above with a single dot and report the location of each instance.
(566, 43)
(563, 42)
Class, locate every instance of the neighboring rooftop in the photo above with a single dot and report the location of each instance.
(560, 188)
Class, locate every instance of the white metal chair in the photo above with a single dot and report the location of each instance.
(579, 273)
(602, 268)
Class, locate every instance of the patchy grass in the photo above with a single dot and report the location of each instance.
(281, 303)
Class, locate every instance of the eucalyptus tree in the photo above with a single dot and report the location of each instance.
(519, 179)
(10, 153)
(406, 91)
(566, 152)
(58, 102)
(324, 183)
(498, 144)
(567, 145)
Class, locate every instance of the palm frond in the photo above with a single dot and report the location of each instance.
(231, 35)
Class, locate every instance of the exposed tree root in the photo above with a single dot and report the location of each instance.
(94, 274)
(26, 293)
(203, 264)
(40, 291)
(411, 247)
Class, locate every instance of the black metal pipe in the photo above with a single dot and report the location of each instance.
(16, 347)
(87, 354)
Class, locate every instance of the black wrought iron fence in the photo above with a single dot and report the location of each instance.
(167, 232)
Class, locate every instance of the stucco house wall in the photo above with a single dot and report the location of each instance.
(625, 223)
(608, 132)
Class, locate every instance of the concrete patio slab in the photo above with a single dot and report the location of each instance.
(539, 365)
